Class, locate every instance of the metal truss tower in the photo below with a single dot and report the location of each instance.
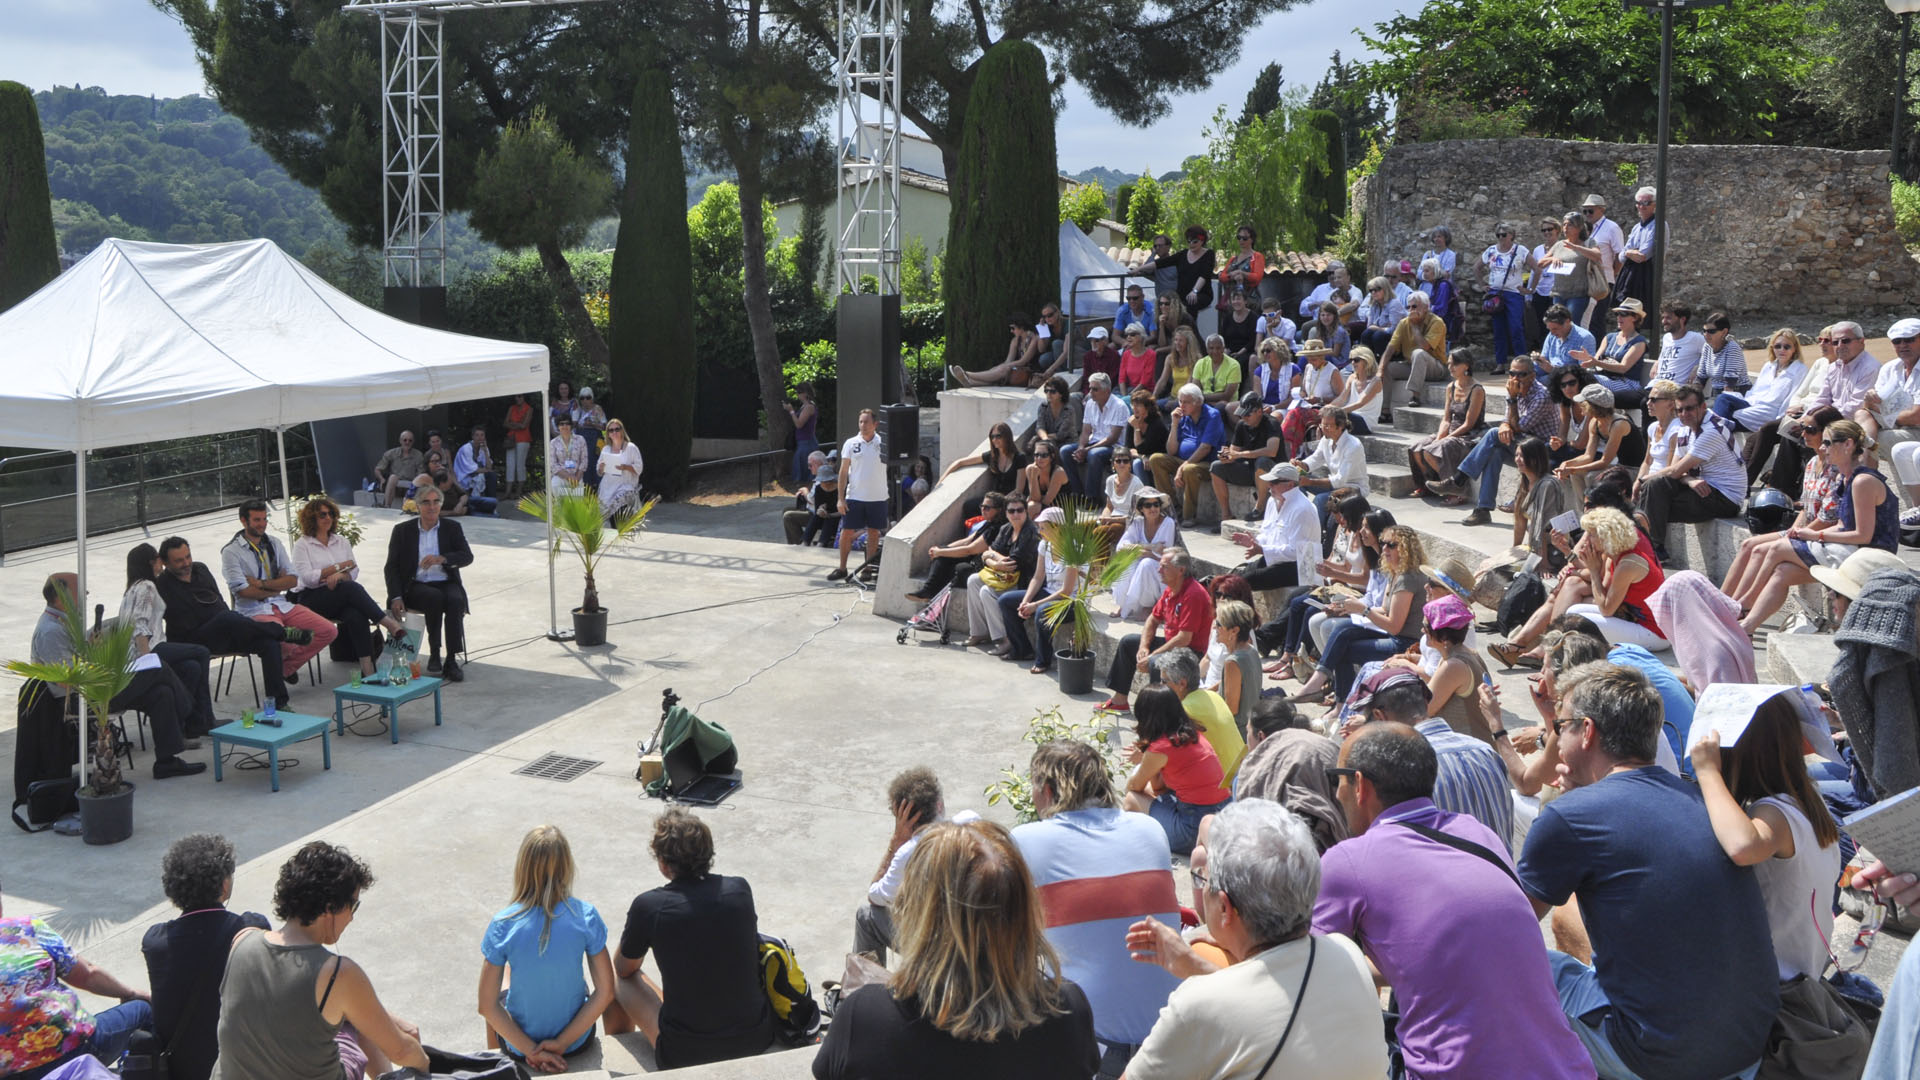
(867, 211)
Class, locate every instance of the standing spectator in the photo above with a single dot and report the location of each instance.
(1136, 308)
(1085, 845)
(1724, 364)
(1246, 268)
(566, 459)
(1281, 1009)
(705, 938)
(293, 1009)
(590, 420)
(1765, 402)
(397, 468)
(424, 559)
(473, 471)
(259, 575)
(560, 404)
(805, 416)
(1445, 259)
(1530, 411)
(863, 491)
(187, 955)
(1254, 447)
(620, 467)
(1166, 277)
(953, 564)
(1669, 994)
(1463, 414)
(1286, 548)
(1470, 777)
(1417, 351)
(1681, 349)
(1103, 420)
(1177, 779)
(1611, 242)
(330, 586)
(1184, 612)
(1193, 271)
(1507, 264)
(914, 799)
(1240, 328)
(1101, 358)
(1446, 303)
(1706, 480)
(1377, 316)
(1635, 278)
(519, 424)
(978, 990)
(198, 615)
(1621, 365)
(1006, 566)
(1572, 263)
(1540, 298)
(1181, 465)
(538, 941)
(1431, 896)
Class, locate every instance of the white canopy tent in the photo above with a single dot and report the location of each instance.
(1098, 298)
(142, 342)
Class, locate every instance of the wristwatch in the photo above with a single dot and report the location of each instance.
(1502, 733)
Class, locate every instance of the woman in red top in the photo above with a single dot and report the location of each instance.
(1139, 365)
(519, 441)
(1176, 778)
(1627, 573)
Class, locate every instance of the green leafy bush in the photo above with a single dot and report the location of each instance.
(1045, 727)
(1906, 211)
(1146, 210)
(1084, 205)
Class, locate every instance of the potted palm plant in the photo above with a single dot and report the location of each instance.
(96, 670)
(1079, 540)
(581, 526)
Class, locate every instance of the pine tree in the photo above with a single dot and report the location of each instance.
(651, 339)
(1003, 247)
(1264, 96)
(1326, 189)
(29, 249)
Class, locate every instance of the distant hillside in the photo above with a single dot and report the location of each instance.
(1108, 178)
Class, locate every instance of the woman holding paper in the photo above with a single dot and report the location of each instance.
(1767, 814)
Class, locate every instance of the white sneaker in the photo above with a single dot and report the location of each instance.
(1910, 518)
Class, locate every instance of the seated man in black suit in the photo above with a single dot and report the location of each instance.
(424, 557)
(197, 613)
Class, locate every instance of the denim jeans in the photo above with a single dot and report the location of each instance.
(1582, 996)
(1351, 645)
(1084, 478)
(1181, 820)
(1509, 327)
(1484, 463)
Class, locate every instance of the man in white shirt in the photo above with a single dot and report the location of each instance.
(1604, 233)
(1900, 441)
(473, 471)
(1286, 550)
(1103, 417)
(1338, 288)
(1706, 479)
(915, 800)
(259, 574)
(1680, 348)
(863, 491)
(1339, 460)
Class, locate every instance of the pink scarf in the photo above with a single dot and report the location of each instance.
(1704, 625)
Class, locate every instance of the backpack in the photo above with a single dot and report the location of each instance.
(796, 1015)
(1524, 597)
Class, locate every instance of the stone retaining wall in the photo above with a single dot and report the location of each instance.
(1756, 230)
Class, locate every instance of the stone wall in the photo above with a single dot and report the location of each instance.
(1759, 231)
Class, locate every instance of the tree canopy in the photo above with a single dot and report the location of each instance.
(29, 253)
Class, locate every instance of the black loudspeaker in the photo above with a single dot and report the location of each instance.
(867, 362)
(422, 305)
(901, 432)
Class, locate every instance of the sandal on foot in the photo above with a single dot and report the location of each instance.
(1506, 652)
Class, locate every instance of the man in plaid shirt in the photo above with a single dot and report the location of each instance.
(1530, 411)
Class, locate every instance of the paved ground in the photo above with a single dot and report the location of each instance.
(825, 705)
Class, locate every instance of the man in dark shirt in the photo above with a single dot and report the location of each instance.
(187, 956)
(1100, 356)
(198, 614)
(1682, 982)
(1254, 449)
(953, 564)
(705, 938)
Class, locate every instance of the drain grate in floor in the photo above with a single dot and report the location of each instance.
(558, 767)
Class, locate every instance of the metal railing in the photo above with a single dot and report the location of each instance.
(758, 457)
(138, 488)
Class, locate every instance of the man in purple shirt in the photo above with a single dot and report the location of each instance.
(1432, 900)
(1530, 411)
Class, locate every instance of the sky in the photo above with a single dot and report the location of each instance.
(130, 47)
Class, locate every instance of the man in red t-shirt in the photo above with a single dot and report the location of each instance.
(1181, 618)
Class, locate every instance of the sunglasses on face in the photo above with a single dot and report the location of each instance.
(1560, 723)
(1528, 375)
(1643, 202)
(1334, 776)
(1391, 545)
(1845, 340)
(1016, 509)
(1549, 231)
(1787, 346)
(1902, 340)
(323, 512)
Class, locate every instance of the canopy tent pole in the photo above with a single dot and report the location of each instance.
(80, 590)
(286, 492)
(553, 593)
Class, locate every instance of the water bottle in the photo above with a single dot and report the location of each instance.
(266, 712)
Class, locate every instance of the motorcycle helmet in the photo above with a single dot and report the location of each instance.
(1770, 511)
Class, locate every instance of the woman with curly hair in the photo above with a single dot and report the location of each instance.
(186, 955)
(1621, 565)
(705, 938)
(330, 581)
(293, 1009)
(977, 990)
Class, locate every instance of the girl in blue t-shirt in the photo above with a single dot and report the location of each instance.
(541, 937)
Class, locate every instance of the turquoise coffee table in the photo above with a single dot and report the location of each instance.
(294, 727)
(389, 698)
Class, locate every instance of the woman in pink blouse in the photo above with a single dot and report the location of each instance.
(324, 562)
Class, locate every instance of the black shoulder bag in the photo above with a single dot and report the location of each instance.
(159, 1066)
(1467, 846)
(1299, 996)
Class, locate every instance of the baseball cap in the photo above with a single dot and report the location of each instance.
(1096, 332)
(1283, 473)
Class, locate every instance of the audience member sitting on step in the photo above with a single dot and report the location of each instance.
(1254, 447)
(1103, 420)
(1177, 778)
(1044, 482)
(1530, 411)
(1319, 383)
(1706, 479)
(47, 1026)
(704, 934)
(397, 468)
(1463, 416)
(1057, 422)
(187, 954)
(954, 564)
(1374, 631)
(1181, 465)
(473, 471)
(1004, 462)
(1355, 555)
(1417, 351)
(978, 988)
(293, 1009)
(1765, 402)
(1286, 548)
(1363, 395)
(1054, 581)
(532, 993)
(1181, 619)
(1622, 573)
(1231, 667)
(1179, 670)
(1122, 491)
(330, 586)
(1101, 358)
(1154, 532)
(815, 517)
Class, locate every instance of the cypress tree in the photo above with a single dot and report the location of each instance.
(29, 248)
(1326, 190)
(650, 298)
(1003, 245)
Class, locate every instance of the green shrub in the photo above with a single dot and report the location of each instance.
(1084, 205)
(29, 248)
(1045, 727)
(1146, 210)
(1906, 211)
